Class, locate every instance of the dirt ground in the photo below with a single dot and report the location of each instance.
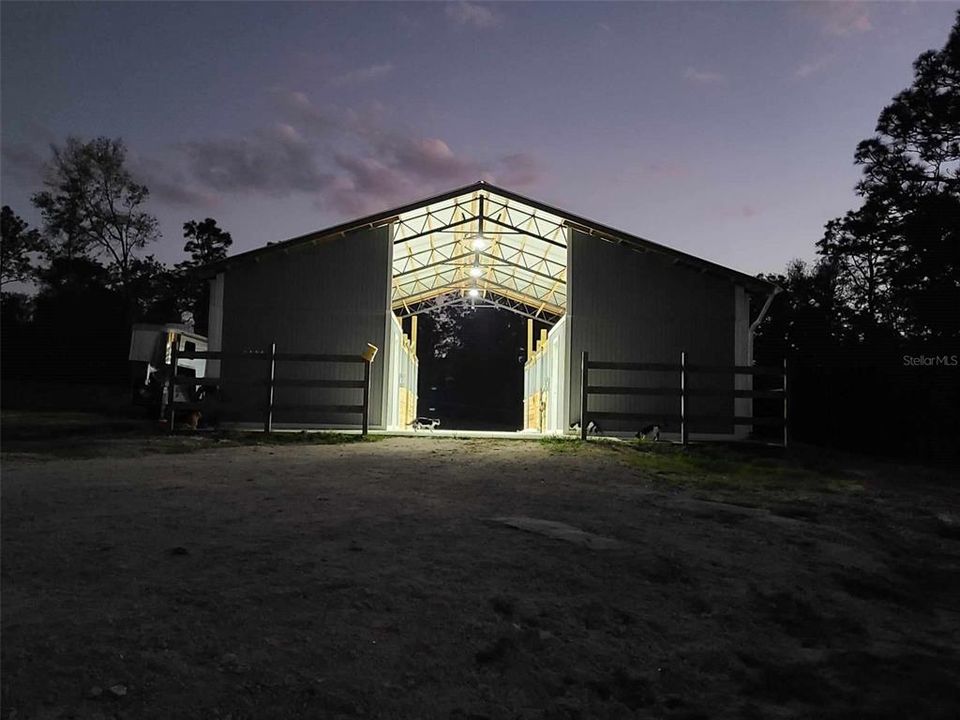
(369, 579)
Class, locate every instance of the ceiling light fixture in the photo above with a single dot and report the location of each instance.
(473, 292)
(476, 271)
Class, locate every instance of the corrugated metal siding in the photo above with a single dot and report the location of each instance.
(215, 322)
(626, 306)
(741, 356)
(329, 298)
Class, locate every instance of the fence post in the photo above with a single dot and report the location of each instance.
(584, 380)
(366, 395)
(785, 434)
(271, 375)
(172, 383)
(684, 429)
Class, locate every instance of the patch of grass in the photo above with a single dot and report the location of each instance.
(87, 435)
(303, 437)
(722, 467)
(558, 444)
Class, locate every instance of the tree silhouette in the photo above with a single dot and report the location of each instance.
(206, 243)
(803, 320)
(92, 205)
(897, 257)
(17, 242)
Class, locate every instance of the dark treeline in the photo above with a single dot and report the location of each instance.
(90, 272)
(872, 329)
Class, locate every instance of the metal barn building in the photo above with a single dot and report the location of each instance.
(619, 297)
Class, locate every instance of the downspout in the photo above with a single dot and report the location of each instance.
(756, 323)
(766, 307)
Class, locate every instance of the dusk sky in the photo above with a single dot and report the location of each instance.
(723, 129)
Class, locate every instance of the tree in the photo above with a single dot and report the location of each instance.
(206, 243)
(92, 205)
(857, 249)
(17, 242)
(803, 320)
(448, 318)
(898, 256)
(157, 290)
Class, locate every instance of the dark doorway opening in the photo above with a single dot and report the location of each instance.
(471, 367)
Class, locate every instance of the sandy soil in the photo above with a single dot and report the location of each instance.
(369, 580)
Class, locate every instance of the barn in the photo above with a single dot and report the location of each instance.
(588, 287)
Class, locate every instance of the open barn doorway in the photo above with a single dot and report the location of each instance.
(478, 300)
(475, 368)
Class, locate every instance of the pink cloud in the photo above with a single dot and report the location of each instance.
(350, 161)
(840, 18)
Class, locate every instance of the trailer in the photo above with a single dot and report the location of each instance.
(151, 347)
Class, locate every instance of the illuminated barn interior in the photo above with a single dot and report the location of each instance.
(484, 249)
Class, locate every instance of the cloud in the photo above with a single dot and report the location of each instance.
(365, 185)
(668, 170)
(404, 168)
(360, 75)
(737, 212)
(348, 160)
(296, 107)
(169, 184)
(517, 171)
(704, 77)
(275, 162)
(23, 162)
(396, 169)
(167, 181)
(840, 18)
(475, 15)
(814, 67)
(179, 195)
(429, 159)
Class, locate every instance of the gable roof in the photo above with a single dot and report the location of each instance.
(576, 222)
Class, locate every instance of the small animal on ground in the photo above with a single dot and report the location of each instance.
(425, 423)
(592, 427)
(652, 429)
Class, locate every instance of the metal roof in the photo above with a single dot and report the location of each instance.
(487, 244)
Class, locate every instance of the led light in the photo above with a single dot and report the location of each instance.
(479, 242)
(473, 292)
(476, 271)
